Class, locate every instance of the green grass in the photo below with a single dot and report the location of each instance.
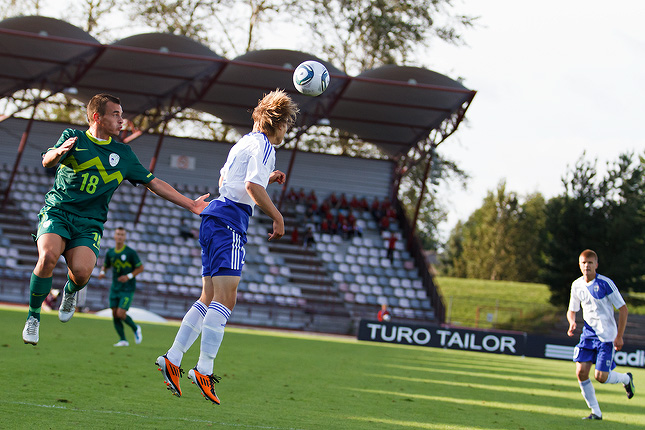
(75, 378)
(509, 304)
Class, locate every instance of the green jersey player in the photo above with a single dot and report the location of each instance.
(126, 265)
(91, 165)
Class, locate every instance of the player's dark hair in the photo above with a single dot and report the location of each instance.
(97, 104)
(273, 110)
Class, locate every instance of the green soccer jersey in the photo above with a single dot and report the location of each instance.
(122, 262)
(89, 174)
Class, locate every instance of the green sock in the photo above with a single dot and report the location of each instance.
(71, 287)
(118, 326)
(38, 290)
(129, 321)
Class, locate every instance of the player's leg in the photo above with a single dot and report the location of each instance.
(80, 263)
(118, 326)
(50, 247)
(587, 389)
(219, 311)
(122, 309)
(605, 373)
(189, 330)
(584, 358)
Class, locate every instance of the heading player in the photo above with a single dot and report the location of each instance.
(248, 170)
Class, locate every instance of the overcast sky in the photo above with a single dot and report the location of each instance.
(553, 78)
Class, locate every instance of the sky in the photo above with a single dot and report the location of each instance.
(553, 78)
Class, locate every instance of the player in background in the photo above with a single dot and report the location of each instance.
(248, 170)
(597, 295)
(91, 165)
(126, 265)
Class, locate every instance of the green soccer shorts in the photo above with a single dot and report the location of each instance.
(78, 231)
(121, 299)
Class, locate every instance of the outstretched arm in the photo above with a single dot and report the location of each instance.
(53, 156)
(261, 198)
(165, 190)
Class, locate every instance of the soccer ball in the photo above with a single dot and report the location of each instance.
(311, 78)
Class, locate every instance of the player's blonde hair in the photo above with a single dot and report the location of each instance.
(97, 105)
(273, 110)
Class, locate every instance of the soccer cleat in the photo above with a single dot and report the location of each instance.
(205, 384)
(30, 332)
(67, 306)
(629, 388)
(592, 417)
(138, 337)
(171, 374)
(122, 343)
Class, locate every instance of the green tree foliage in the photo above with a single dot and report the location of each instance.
(362, 34)
(604, 214)
(500, 241)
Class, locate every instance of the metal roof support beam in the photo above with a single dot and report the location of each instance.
(21, 149)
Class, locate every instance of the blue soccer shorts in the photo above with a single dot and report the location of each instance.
(597, 352)
(222, 248)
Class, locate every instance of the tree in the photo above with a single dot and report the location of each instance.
(603, 214)
(500, 241)
(358, 35)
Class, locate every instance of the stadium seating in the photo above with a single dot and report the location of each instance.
(327, 286)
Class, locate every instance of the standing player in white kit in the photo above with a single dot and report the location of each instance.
(598, 296)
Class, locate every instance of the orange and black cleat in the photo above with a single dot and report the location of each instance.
(171, 374)
(205, 384)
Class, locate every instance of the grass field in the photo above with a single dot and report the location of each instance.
(507, 301)
(75, 378)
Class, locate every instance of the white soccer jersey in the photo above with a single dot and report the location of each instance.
(598, 299)
(251, 159)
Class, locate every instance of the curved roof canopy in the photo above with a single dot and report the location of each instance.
(158, 74)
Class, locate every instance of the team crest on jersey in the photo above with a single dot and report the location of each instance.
(114, 159)
(123, 257)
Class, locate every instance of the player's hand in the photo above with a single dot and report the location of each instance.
(278, 231)
(200, 204)
(67, 145)
(123, 279)
(572, 328)
(618, 343)
(277, 176)
(101, 275)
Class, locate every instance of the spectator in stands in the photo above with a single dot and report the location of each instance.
(126, 265)
(308, 238)
(391, 246)
(598, 296)
(248, 170)
(185, 231)
(294, 235)
(383, 314)
(71, 222)
(384, 224)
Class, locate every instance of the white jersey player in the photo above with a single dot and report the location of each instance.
(597, 295)
(248, 170)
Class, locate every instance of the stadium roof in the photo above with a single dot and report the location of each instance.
(159, 75)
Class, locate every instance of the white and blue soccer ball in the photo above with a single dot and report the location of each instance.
(311, 78)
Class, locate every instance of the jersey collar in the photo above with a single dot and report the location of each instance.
(97, 141)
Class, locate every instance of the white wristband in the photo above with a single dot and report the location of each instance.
(130, 275)
(102, 272)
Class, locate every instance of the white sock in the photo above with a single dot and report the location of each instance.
(191, 327)
(617, 378)
(589, 395)
(212, 335)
